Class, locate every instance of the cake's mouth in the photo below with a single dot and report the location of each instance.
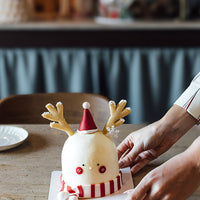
(94, 190)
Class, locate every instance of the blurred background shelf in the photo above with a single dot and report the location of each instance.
(90, 24)
(87, 33)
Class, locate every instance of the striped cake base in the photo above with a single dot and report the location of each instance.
(94, 190)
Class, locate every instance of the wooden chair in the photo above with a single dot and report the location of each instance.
(24, 109)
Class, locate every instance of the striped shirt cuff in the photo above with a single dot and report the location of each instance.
(190, 99)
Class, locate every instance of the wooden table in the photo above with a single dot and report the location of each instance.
(25, 171)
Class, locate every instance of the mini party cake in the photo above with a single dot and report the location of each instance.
(89, 156)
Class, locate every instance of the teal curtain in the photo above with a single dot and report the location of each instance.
(151, 79)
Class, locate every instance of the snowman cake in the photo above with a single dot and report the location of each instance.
(89, 156)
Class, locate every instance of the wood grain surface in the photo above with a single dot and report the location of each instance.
(25, 170)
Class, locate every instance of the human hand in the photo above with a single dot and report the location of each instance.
(176, 179)
(143, 146)
(146, 144)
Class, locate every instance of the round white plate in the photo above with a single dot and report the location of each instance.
(11, 136)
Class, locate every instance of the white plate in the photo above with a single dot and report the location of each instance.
(11, 136)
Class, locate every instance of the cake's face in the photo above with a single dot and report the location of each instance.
(89, 159)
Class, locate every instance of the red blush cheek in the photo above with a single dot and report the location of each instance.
(79, 170)
(102, 169)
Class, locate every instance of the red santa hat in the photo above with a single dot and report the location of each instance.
(87, 124)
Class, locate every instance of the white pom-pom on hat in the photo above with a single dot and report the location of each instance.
(86, 105)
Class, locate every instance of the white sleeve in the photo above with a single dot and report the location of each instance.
(190, 99)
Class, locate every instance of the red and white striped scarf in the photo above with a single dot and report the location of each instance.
(94, 190)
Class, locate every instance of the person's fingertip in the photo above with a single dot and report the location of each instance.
(119, 154)
(121, 163)
(133, 172)
(120, 150)
(135, 169)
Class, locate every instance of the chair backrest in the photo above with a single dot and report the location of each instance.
(24, 109)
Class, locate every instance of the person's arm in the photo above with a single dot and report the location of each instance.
(146, 144)
(179, 177)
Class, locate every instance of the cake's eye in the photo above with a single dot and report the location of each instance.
(102, 169)
(97, 164)
(79, 170)
(83, 165)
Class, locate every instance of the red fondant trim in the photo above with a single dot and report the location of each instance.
(69, 189)
(92, 190)
(121, 176)
(118, 183)
(61, 178)
(111, 186)
(102, 189)
(81, 192)
(62, 184)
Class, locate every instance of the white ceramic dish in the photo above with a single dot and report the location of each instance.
(11, 136)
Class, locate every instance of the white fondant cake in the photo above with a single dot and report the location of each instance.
(89, 157)
(88, 160)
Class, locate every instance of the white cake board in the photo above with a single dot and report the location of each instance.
(55, 186)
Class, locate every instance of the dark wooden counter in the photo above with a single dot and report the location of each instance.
(90, 34)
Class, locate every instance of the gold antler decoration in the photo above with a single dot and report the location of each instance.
(56, 115)
(116, 115)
